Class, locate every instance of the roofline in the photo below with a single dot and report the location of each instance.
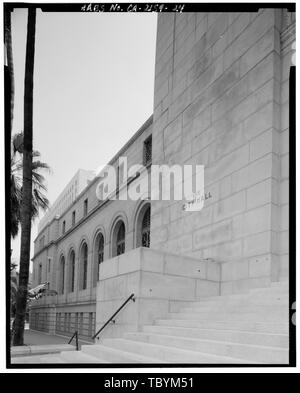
(139, 132)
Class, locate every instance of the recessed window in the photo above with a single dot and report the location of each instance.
(120, 178)
(84, 266)
(99, 257)
(85, 207)
(147, 152)
(40, 274)
(64, 227)
(118, 239)
(73, 218)
(72, 272)
(146, 228)
(121, 240)
(61, 287)
(143, 226)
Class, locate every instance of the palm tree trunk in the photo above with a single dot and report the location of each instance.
(9, 58)
(26, 203)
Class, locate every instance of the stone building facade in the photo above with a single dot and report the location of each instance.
(73, 248)
(221, 100)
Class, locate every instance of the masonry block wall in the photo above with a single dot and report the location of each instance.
(221, 100)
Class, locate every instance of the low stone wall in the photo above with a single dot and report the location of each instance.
(241, 275)
(161, 283)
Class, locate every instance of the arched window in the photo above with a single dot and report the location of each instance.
(99, 257)
(121, 239)
(72, 272)
(118, 238)
(143, 226)
(146, 228)
(61, 288)
(84, 266)
(40, 274)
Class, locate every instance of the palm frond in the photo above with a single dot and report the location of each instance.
(39, 200)
(17, 142)
(40, 165)
(36, 153)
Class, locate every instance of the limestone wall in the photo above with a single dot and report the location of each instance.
(161, 283)
(221, 99)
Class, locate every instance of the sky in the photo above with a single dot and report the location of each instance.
(93, 88)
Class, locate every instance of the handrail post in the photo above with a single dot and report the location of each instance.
(76, 340)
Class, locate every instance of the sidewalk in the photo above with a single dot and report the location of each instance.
(33, 337)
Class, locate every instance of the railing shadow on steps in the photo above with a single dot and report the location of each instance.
(112, 318)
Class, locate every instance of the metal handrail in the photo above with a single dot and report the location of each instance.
(111, 319)
(76, 340)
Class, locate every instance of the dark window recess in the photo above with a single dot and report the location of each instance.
(62, 276)
(72, 272)
(120, 175)
(73, 218)
(146, 229)
(147, 153)
(101, 250)
(100, 254)
(85, 207)
(40, 274)
(64, 227)
(85, 267)
(121, 240)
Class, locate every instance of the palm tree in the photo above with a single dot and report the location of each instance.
(26, 201)
(9, 58)
(13, 289)
(39, 200)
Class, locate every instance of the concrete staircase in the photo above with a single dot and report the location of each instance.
(250, 328)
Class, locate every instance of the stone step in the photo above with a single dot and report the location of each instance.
(242, 309)
(258, 327)
(269, 293)
(31, 350)
(255, 353)
(235, 336)
(232, 316)
(245, 301)
(37, 359)
(52, 359)
(164, 353)
(112, 354)
(79, 357)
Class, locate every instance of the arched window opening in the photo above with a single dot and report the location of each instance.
(72, 272)
(146, 228)
(62, 275)
(143, 223)
(40, 274)
(84, 266)
(118, 238)
(121, 239)
(99, 257)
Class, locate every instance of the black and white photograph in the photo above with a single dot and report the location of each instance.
(150, 189)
